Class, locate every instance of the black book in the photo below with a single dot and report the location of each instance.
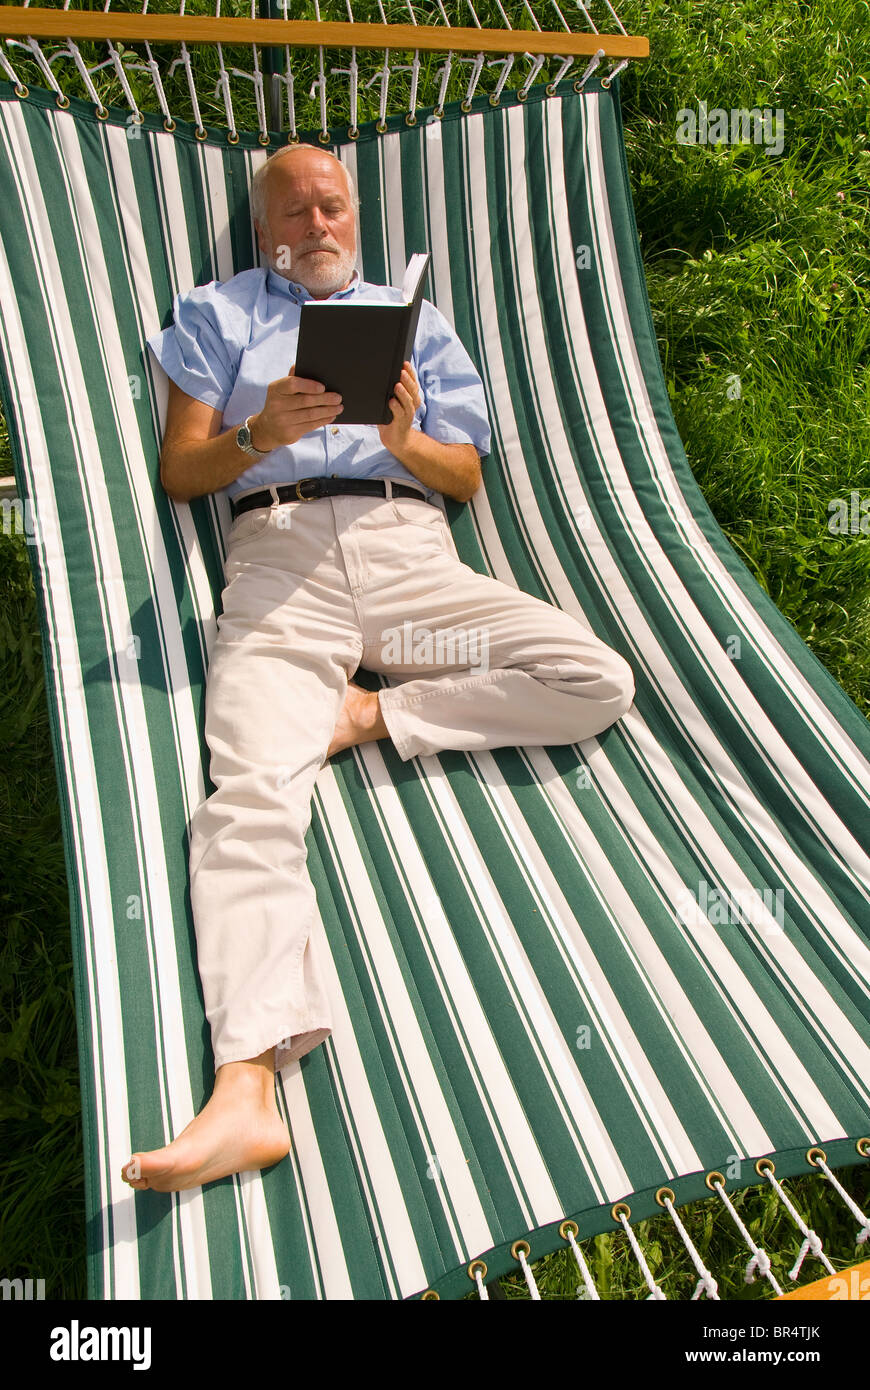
(357, 346)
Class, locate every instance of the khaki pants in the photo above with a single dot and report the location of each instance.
(314, 590)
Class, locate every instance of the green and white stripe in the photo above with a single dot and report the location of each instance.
(483, 918)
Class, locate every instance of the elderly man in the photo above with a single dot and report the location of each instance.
(319, 579)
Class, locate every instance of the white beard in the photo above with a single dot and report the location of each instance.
(321, 274)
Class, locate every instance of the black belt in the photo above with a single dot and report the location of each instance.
(307, 489)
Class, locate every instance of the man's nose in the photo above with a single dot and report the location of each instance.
(316, 221)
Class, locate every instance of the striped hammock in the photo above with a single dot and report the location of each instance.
(562, 978)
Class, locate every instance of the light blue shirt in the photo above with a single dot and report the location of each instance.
(231, 338)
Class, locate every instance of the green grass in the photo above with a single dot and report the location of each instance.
(758, 268)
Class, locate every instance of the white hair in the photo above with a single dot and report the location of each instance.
(258, 183)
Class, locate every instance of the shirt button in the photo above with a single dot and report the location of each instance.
(335, 429)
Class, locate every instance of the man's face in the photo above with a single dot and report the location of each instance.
(310, 227)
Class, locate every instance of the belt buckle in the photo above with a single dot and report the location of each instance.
(301, 496)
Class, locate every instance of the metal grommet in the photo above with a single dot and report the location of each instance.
(169, 126)
(550, 89)
(569, 1226)
(863, 1147)
(710, 1180)
(430, 1293)
(621, 1209)
(474, 1267)
(353, 132)
(494, 100)
(605, 82)
(764, 1166)
(233, 137)
(519, 1245)
(821, 1154)
(62, 101)
(21, 91)
(201, 133)
(410, 119)
(664, 1192)
(102, 113)
(323, 137)
(465, 106)
(439, 113)
(578, 86)
(264, 139)
(381, 127)
(293, 140)
(521, 95)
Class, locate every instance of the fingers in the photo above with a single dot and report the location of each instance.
(407, 389)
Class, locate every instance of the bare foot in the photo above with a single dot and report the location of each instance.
(360, 720)
(237, 1131)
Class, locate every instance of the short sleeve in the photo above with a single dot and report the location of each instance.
(452, 390)
(195, 351)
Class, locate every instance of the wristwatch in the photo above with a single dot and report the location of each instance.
(243, 439)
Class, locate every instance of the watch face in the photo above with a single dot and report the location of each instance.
(244, 437)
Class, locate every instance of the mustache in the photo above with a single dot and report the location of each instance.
(324, 245)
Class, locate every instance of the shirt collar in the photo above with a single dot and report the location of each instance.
(279, 284)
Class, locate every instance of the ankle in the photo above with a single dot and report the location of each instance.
(254, 1073)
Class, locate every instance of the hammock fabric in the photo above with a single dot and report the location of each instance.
(560, 976)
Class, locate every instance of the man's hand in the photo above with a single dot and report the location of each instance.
(453, 469)
(403, 404)
(294, 406)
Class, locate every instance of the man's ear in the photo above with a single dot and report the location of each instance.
(262, 239)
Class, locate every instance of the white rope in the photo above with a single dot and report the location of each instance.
(11, 73)
(476, 62)
(864, 1233)
(591, 1291)
(760, 1262)
(415, 70)
(614, 72)
(319, 83)
(655, 1291)
(593, 64)
(446, 69)
(352, 71)
(812, 1244)
(537, 64)
(184, 61)
(223, 84)
(482, 1290)
(474, 76)
(530, 1278)
(507, 63)
(290, 85)
(46, 71)
(122, 78)
(150, 65)
(84, 72)
(613, 12)
(445, 78)
(257, 82)
(382, 76)
(705, 1279)
(589, 20)
(566, 64)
